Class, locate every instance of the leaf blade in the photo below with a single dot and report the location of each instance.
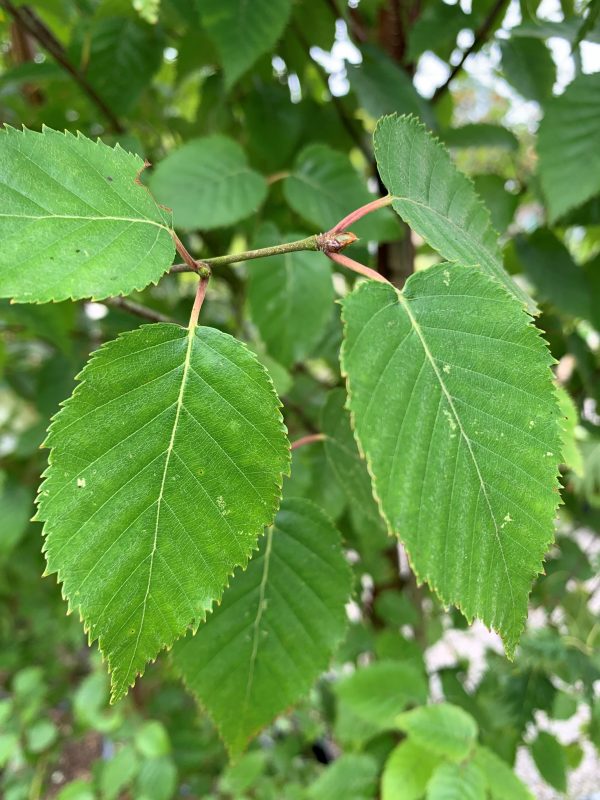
(569, 146)
(418, 172)
(439, 394)
(208, 183)
(186, 471)
(43, 258)
(299, 570)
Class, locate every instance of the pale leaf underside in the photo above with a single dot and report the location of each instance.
(74, 220)
(453, 407)
(275, 630)
(166, 464)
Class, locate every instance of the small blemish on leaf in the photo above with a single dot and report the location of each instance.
(81, 483)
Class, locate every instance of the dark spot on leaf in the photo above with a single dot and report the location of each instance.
(108, 178)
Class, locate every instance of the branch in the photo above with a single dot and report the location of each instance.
(36, 28)
(332, 241)
(137, 309)
(346, 121)
(479, 40)
(330, 244)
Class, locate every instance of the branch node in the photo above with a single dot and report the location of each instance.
(331, 242)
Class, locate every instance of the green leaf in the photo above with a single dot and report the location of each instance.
(157, 779)
(457, 782)
(436, 29)
(41, 735)
(480, 134)
(436, 200)
(148, 10)
(324, 186)
(528, 67)
(347, 465)
(383, 87)
(465, 466)
(407, 772)
(166, 464)
(379, 692)
(501, 203)
(290, 298)
(501, 781)
(569, 146)
(550, 759)
(118, 773)
(121, 58)
(243, 31)
(571, 452)
(353, 776)
(551, 268)
(16, 503)
(152, 740)
(76, 790)
(75, 221)
(442, 728)
(242, 774)
(276, 629)
(208, 183)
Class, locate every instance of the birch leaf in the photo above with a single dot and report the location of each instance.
(75, 220)
(276, 629)
(165, 466)
(436, 200)
(453, 405)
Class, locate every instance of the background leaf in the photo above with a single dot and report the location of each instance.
(549, 757)
(407, 772)
(275, 630)
(121, 57)
(502, 783)
(243, 31)
(379, 692)
(528, 66)
(324, 186)
(442, 728)
(175, 438)
(290, 297)
(569, 146)
(208, 183)
(456, 782)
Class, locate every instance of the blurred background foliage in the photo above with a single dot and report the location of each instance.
(258, 116)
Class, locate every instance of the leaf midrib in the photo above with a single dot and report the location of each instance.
(429, 356)
(39, 217)
(258, 618)
(178, 406)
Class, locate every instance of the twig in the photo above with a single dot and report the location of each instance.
(332, 241)
(337, 103)
(478, 41)
(137, 309)
(36, 28)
